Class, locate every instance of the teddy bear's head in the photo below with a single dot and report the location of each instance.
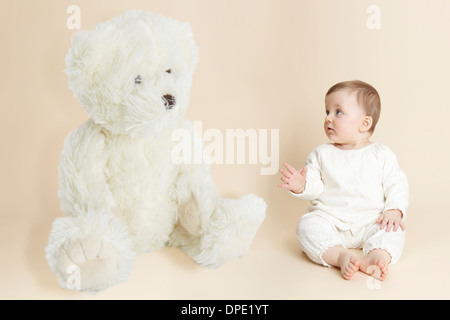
(133, 73)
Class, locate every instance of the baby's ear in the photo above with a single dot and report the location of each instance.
(366, 124)
(189, 49)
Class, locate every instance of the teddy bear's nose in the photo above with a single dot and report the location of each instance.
(169, 101)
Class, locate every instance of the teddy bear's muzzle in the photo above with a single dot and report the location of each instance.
(169, 101)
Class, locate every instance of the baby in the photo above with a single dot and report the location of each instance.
(358, 193)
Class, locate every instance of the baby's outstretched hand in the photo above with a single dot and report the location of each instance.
(293, 179)
(391, 219)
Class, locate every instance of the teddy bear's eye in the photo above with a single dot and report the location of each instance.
(168, 71)
(138, 79)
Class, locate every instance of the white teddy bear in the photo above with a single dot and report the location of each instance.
(121, 190)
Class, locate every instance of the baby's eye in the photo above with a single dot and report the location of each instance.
(138, 79)
(338, 112)
(327, 112)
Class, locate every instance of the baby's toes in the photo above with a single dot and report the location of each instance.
(354, 263)
(347, 273)
(350, 268)
(384, 271)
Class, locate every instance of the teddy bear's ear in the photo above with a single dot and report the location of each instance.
(85, 54)
(76, 59)
(189, 48)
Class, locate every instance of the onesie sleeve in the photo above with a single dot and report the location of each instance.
(395, 184)
(314, 183)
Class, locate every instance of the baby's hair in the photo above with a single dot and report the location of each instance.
(367, 97)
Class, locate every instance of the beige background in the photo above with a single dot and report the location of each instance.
(264, 64)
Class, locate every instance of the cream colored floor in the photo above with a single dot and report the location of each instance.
(274, 268)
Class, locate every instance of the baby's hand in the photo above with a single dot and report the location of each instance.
(293, 180)
(391, 219)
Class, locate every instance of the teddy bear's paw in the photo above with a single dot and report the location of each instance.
(232, 230)
(90, 263)
(237, 242)
(250, 214)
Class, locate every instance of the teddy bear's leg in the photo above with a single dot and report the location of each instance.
(230, 230)
(90, 252)
(224, 233)
(210, 229)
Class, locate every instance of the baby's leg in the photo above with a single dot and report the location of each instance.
(343, 258)
(381, 249)
(376, 264)
(321, 242)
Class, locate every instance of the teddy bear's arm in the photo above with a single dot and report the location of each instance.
(197, 196)
(82, 184)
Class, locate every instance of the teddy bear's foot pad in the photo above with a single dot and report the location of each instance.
(90, 263)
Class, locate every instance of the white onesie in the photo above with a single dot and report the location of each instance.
(349, 189)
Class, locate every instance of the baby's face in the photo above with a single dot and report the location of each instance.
(344, 117)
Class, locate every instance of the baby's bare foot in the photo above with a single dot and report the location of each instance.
(349, 265)
(376, 264)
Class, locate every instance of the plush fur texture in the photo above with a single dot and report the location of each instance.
(122, 192)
